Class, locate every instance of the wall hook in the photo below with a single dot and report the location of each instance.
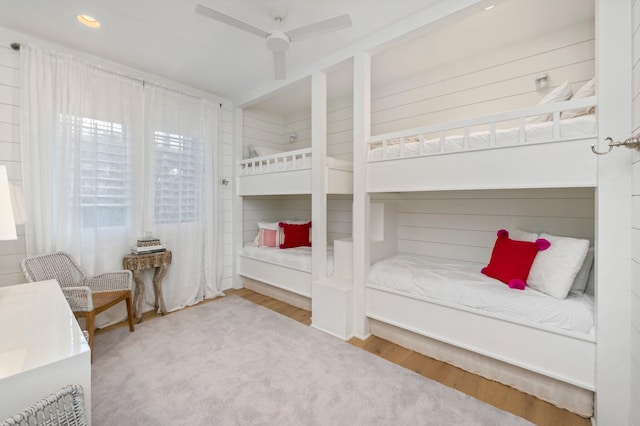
(632, 142)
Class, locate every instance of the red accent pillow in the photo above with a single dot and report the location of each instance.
(511, 260)
(295, 235)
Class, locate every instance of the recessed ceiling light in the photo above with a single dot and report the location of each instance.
(89, 21)
(491, 6)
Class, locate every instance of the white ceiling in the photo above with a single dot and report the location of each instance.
(167, 38)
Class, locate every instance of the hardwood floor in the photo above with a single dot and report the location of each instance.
(489, 391)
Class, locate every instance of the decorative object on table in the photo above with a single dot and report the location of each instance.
(137, 263)
(87, 296)
(148, 244)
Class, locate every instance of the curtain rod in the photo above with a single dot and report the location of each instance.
(16, 46)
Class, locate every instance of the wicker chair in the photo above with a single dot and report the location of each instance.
(64, 408)
(87, 296)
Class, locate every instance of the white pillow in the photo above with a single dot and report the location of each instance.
(587, 89)
(520, 235)
(554, 269)
(580, 283)
(559, 94)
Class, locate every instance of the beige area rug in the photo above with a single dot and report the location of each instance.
(231, 362)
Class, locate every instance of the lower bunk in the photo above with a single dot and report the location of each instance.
(525, 339)
(284, 274)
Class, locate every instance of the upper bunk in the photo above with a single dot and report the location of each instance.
(538, 154)
(277, 141)
(507, 102)
(290, 172)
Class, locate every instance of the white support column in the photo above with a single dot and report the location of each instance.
(361, 239)
(613, 213)
(318, 177)
(237, 223)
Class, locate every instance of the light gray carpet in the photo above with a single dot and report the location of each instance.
(232, 362)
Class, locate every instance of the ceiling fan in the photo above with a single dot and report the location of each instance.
(278, 40)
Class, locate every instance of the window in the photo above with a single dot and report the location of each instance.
(179, 169)
(103, 178)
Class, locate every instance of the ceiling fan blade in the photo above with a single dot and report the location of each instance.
(320, 27)
(229, 20)
(279, 65)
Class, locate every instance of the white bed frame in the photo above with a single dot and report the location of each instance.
(559, 162)
(288, 173)
(568, 357)
(289, 278)
(562, 355)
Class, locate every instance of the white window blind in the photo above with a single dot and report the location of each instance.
(179, 170)
(103, 178)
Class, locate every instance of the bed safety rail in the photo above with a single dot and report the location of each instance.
(494, 131)
(291, 160)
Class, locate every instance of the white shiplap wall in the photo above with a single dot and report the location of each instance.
(462, 225)
(11, 252)
(634, 298)
(263, 129)
(276, 208)
(493, 81)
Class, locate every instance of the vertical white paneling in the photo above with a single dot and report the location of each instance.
(11, 252)
(318, 179)
(613, 216)
(361, 199)
(634, 415)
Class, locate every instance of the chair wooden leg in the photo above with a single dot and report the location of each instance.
(129, 312)
(90, 323)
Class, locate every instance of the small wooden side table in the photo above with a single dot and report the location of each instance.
(137, 263)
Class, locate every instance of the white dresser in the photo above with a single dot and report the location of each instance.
(42, 347)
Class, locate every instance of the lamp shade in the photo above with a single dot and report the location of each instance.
(7, 223)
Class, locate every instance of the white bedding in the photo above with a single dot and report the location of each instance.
(297, 257)
(463, 284)
(536, 132)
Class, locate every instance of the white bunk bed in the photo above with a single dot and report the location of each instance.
(554, 153)
(290, 173)
(555, 364)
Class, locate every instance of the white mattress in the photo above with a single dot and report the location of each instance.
(270, 165)
(463, 284)
(536, 132)
(297, 257)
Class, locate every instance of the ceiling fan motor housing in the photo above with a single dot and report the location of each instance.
(278, 41)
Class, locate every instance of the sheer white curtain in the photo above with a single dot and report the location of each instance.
(79, 125)
(180, 192)
(106, 158)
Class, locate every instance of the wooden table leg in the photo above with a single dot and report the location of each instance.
(158, 275)
(137, 304)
